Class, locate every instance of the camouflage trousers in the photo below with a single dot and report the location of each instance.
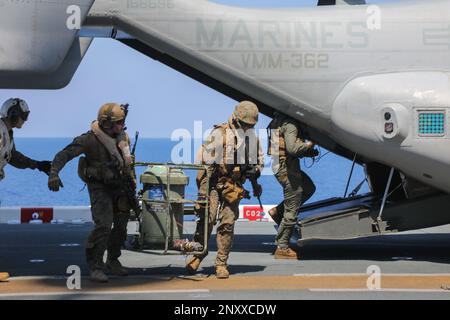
(110, 207)
(226, 218)
(297, 189)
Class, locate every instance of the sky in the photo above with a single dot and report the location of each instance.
(161, 99)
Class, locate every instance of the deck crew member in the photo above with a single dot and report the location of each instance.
(14, 113)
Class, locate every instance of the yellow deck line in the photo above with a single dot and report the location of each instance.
(234, 283)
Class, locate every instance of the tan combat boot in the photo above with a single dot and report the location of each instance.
(222, 272)
(193, 264)
(4, 276)
(98, 275)
(285, 253)
(116, 268)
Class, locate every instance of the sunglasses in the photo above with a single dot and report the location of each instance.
(245, 125)
(120, 122)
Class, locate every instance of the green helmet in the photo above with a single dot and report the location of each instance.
(247, 112)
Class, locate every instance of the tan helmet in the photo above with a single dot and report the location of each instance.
(246, 111)
(110, 113)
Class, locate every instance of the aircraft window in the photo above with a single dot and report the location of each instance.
(431, 123)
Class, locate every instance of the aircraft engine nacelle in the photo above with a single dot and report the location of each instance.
(39, 43)
(399, 119)
(36, 36)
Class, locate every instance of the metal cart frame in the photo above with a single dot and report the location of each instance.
(169, 216)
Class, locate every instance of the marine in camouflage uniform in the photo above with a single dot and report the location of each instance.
(106, 169)
(13, 114)
(288, 145)
(228, 174)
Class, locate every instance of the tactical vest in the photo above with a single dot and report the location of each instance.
(275, 125)
(6, 146)
(223, 170)
(98, 164)
(282, 146)
(233, 170)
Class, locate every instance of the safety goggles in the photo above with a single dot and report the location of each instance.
(245, 125)
(120, 122)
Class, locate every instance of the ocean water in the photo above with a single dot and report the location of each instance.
(29, 187)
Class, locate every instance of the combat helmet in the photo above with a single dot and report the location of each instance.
(247, 112)
(110, 113)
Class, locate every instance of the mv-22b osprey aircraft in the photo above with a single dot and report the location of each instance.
(371, 83)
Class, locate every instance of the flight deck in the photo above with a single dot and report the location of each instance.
(413, 265)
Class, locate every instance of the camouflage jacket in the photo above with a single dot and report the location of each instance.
(97, 156)
(225, 150)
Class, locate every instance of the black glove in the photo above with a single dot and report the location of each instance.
(258, 191)
(253, 172)
(54, 182)
(44, 166)
(311, 153)
(314, 153)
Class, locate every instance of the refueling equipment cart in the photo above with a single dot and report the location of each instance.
(159, 225)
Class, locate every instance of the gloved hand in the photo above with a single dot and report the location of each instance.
(253, 172)
(314, 153)
(258, 191)
(44, 166)
(54, 182)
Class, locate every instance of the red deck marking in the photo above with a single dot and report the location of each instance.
(29, 214)
(253, 213)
